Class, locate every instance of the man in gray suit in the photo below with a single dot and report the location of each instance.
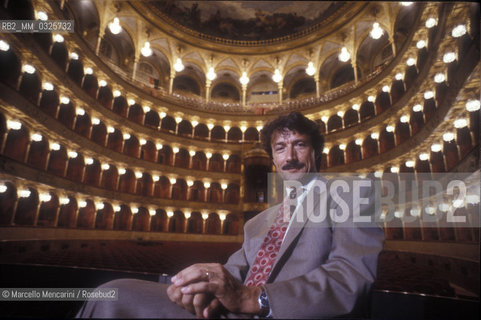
(318, 260)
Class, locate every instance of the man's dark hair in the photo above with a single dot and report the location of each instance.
(298, 122)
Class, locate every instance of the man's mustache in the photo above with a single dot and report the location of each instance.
(293, 165)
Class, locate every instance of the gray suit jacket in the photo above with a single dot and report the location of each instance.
(324, 269)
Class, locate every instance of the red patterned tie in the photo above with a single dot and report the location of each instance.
(267, 254)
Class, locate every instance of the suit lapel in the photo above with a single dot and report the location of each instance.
(258, 230)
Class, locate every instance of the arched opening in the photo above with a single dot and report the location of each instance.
(186, 84)
(152, 119)
(440, 92)
(386, 141)
(105, 217)
(141, 220)
(136, 113)
(158, 221)
(256, 177)
(115, 141)
(37, 154)
(168, 123)
(145, 185)
(322, 126)
(336, 156)
(123, 218)
(214, 194)
(429, 109)
(369, 147)
(177, 222)
(218, 133)
(86, 215)
(450, 150)
(120, 106)
(127, 182)
(195, 223)
(49, 102)
(452, 69)
(87, 20)
(118, 49)
(199, 161)
(397, 90)
(197, 192)
(147, 71)
(373, 54)
(105, 97)
(412, 229)
(57, 162)
(201, 131)
(132, 147)
(16, 143)
(30, 87)
(179, 190)
(251, 134)
(59, 54)
(343, 75)
(75, 168)
(66, 114)
(231, 225)
(216, 163)
(334, 123)
(27, 209)
(8, 199)
(422, 166)
(351, 118)
(99, 134)
(225, 92)
(76, 71)
(47, 213)
(366, 111)
(416, 120)
(182, 158)
(110, 178)
(353, 152)
(165, 155)
(148, 152)
(234, 164)
(394, 229)
(302, 88)
(402, 132)
(83, 125)
(383, 102)
(213, 224)
(20, 9)
(184, 128)
(162, 188)
(234, 134)
(463, 139)
(92, 173)
(90, 85)
(9, 68)
(437, 161)
(422, 56)
(68, 213)
(410, 76)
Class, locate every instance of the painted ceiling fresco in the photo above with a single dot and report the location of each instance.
(246, 20)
